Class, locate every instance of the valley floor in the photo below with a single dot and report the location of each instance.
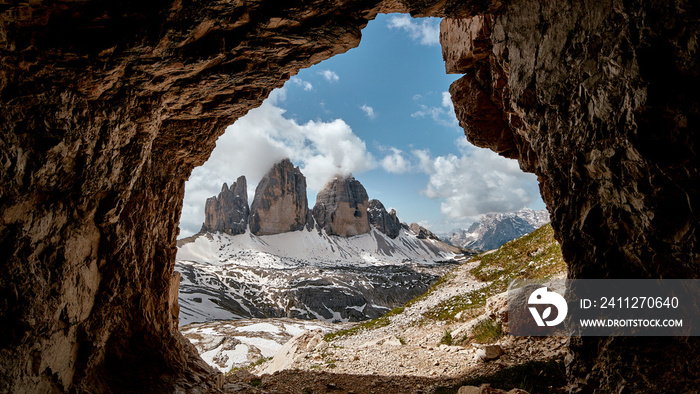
(454, 334)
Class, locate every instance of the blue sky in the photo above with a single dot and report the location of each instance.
(382, 113)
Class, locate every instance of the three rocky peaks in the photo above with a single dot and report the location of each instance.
(280, 205)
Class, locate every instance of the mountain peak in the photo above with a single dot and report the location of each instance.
(228, 212)
(341, 207)
(384, 221)
(280, 203)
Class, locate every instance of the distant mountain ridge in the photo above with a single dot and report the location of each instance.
(493, 230)
(347, 259)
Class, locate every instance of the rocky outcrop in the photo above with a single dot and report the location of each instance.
(280, 203)
(422, 232)
(579, 94)
(341, 207)
(384, 221)
(228, 212)
(107, 108)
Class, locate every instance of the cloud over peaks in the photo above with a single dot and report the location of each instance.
(477, 182)
(253, 144)
(396, 163)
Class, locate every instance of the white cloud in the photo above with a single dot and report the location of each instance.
(330, 76)
(476, 182)
(396, 163)
(447, 101)
(425, 161)
(300, 82)
(443, 114)
(263, 137)
(369, 111)
(427, 32)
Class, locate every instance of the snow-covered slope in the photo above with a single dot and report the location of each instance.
(230, 344)
(304, 274)
(303, 248)
(494, 230)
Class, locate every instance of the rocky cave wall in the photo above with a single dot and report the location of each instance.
(599, 99)
(107, 107)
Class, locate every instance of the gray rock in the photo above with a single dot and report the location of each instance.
(341, 208)
(384, 221)
(422, 232)
(493, 352)
(228, 212)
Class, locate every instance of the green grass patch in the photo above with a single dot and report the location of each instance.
(446, 338)
(534, 256)
(486, 331)
(534, 377)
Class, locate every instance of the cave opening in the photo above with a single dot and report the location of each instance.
(101, 133)
(382, 113)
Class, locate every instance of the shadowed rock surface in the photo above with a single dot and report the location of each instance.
(280, 204)
(107, 107)
(228, 212)
(599, 100)
(384, 221)
(341, 207)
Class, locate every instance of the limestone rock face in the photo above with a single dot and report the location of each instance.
(384, 221)
(280, 203)
(228, 212)
(341, 207)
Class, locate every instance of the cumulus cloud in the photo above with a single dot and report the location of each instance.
(425, 161)
(476, 182)
(300, 82)
(369, 111)
(329, 75)
(263, 137)
(444, 114)
(427, 32)
(396, 162)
